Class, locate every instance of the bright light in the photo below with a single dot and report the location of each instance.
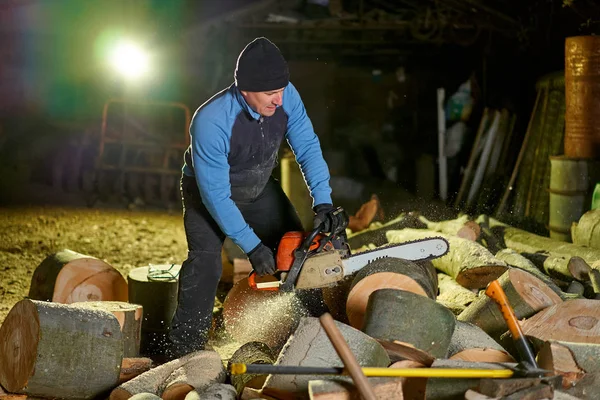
(130, 60)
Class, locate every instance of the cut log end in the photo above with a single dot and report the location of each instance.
(531, 289)
(479, 277)
(483, 355)
(19, 336)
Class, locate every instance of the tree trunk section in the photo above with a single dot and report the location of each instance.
(134, 366)
(570, 321)
(526, 294)
(388, 273)
(471, 343)
(130, 320)
(469, 263)
(310, 346)
(251, 353)
(67, 277)
(557, 266)
(153, 381)
(157, 294)
(462, 227)
(198, 373)
(587, 231)
(409, 318)
(263, 316)
(517, 260)
(451, 388)
(570, 360)
(55, 350)
(452, 295)
(526, 242)
(339, 389)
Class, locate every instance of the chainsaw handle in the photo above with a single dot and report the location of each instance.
(258, 286)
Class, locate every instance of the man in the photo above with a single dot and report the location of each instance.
(227, 187)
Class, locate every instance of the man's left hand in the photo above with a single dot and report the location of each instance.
(334, 219)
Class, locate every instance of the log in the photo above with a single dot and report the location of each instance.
(526, 294)
(570, 360)
(462, 227)
(132, 367)
(570, 321)
(496, 388)
(409, 318)
(376, 234)
(398, 351)
(471, 343)
(50, 350)
(367, 213)
(388, 273)
(261, 316)
(412, 388)
(157, 294)
(469, 263)
(452, 295)
(250, 353)
(198, 373)
(587, 231)
(526, 242)
(130, 321)
(220, 391)
(338, 389)
(310, 346)
(67, 277)
(451, 388)
(557, 266)
(517, 260)
(173, 373)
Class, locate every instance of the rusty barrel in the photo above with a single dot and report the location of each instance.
(582, 96)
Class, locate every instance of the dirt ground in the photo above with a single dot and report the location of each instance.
(124, 239)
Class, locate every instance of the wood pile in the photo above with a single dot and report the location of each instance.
(393, 314)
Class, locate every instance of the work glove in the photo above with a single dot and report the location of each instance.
(262, 260)
(336, 222)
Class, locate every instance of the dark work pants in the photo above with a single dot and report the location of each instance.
(270, 215)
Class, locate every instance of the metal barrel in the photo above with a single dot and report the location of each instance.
(582, 95)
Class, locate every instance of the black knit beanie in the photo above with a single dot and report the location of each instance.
(261, 67)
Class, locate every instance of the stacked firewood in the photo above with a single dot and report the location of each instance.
(78, 334)
(435, 314)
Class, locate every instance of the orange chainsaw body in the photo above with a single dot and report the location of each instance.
(290, 242)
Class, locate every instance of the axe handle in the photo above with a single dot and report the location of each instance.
(345, 353)
(496, 293)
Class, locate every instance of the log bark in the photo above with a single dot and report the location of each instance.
(469, 263)
(570, 321)
(134, 366)
(388, 273)
(409, 318)
(557, 266)
(310, 346)
(587, 231)
(399, 351)
(157, 294)
(198, 373)
(130, 321)
(526, 294)
(570, 360)
(338, 389)
(526, 242)
(251, 353)
(450, 388)
(452, 295)
(174, 374)
(261, 316)
(56, 350)
(471, 343)
(67, 277)
(517, 260)
(376, 235)
(462, 227)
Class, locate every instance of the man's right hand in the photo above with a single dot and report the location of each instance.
(262, 260)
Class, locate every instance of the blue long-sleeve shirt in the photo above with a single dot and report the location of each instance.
(233, 152)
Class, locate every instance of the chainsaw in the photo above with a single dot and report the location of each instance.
(316, 259)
